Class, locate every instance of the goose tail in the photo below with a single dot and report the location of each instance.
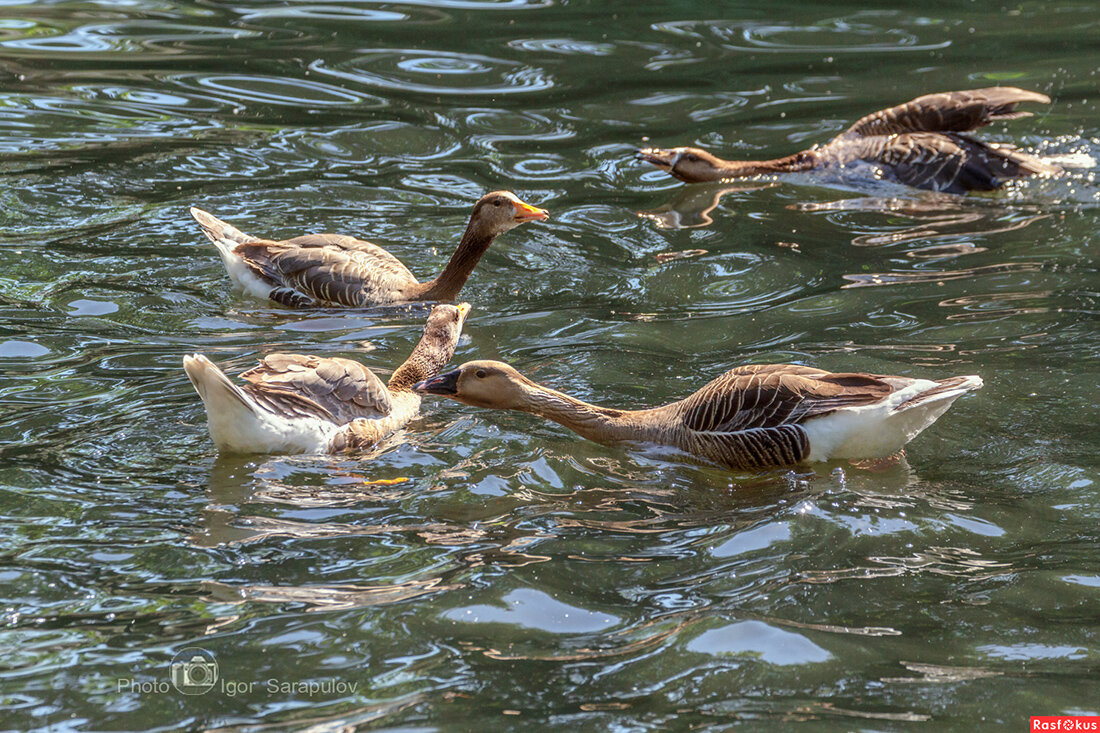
(231, 414)
(945, 391)
(247, 421)
(883, 428)
(225, 236)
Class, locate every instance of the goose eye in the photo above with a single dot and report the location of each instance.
(480, 374)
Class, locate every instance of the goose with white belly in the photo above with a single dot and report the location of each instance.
(337, 270)
(751, 417)
(293, 403)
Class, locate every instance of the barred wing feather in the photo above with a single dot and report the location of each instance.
(341, 388)
(960, 111)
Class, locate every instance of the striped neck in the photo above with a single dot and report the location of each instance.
(447, 285)
(590, 421)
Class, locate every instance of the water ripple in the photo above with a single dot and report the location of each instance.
(437, 72)
(864, 32)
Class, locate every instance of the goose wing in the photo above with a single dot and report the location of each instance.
(748, 417)
(952, 163)
(949, 112)
(336, 388)
(331, 268)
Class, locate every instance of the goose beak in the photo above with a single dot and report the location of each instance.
(463, 310)
(441, 384)
(657, 156)
(527, 212)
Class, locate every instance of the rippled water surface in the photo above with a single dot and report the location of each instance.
(484, 570)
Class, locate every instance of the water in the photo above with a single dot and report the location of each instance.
(492, 571)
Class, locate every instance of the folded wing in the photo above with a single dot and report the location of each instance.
(748, 418)
(340, 389)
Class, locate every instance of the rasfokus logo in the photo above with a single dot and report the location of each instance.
(193, 671)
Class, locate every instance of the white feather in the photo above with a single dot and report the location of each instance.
(226, 237)
(239, 272)
(239, 425)
(881, 429)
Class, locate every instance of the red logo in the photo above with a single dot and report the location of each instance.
(1065, 723)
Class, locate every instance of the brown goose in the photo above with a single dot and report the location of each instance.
(292, 403)
(751, 417)
(335, 270)
(919, 143)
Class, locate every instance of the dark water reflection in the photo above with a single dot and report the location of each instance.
(491, 571)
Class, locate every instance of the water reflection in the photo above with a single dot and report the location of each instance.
(691, 206)
(875, 279)
(861, 32)
(437, 72)
(938, 216)
(326, 598)
(960, 562)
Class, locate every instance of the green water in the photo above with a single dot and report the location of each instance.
(521, 578)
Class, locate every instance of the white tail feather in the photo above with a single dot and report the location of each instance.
(226, 237)
(883, 428)
(238, 424)
(217, 229)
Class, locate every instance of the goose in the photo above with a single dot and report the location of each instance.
(291, 403)
(337, 270)
(919, 143)
(751, 417)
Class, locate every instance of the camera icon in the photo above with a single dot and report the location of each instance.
(193, 671)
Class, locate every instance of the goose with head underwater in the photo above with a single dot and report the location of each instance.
(920, 143)
(291, 403)
(337, 270)
(751, 417)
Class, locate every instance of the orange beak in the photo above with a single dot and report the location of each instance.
(527, 212)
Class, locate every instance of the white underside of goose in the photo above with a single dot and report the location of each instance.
(883, 428)
(239, 272)
(239, 425)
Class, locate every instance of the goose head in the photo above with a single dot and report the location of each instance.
(498, 211)
(435, 348)
(687, 164)
(443, 326)
(491, 384)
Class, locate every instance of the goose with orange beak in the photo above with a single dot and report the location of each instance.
(337, 270)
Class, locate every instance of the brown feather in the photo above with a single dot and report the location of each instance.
(343, 388)
(919, 143)
(948, 112)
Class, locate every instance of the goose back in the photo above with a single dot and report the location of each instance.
(331, 268)
(340, 389)
(951, 163)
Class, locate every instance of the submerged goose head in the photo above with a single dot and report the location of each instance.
(435, 348)
(687, 164)
(491, 384)
(498, 211)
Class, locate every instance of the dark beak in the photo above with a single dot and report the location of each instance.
(445, 384)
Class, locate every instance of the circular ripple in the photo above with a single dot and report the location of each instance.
(439, 73)
(833, 35)
(564, 46)
(280, 90)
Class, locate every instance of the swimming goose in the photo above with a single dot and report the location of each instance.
(751, 417)
(919, 143)
(336, 270)
(292, 403)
